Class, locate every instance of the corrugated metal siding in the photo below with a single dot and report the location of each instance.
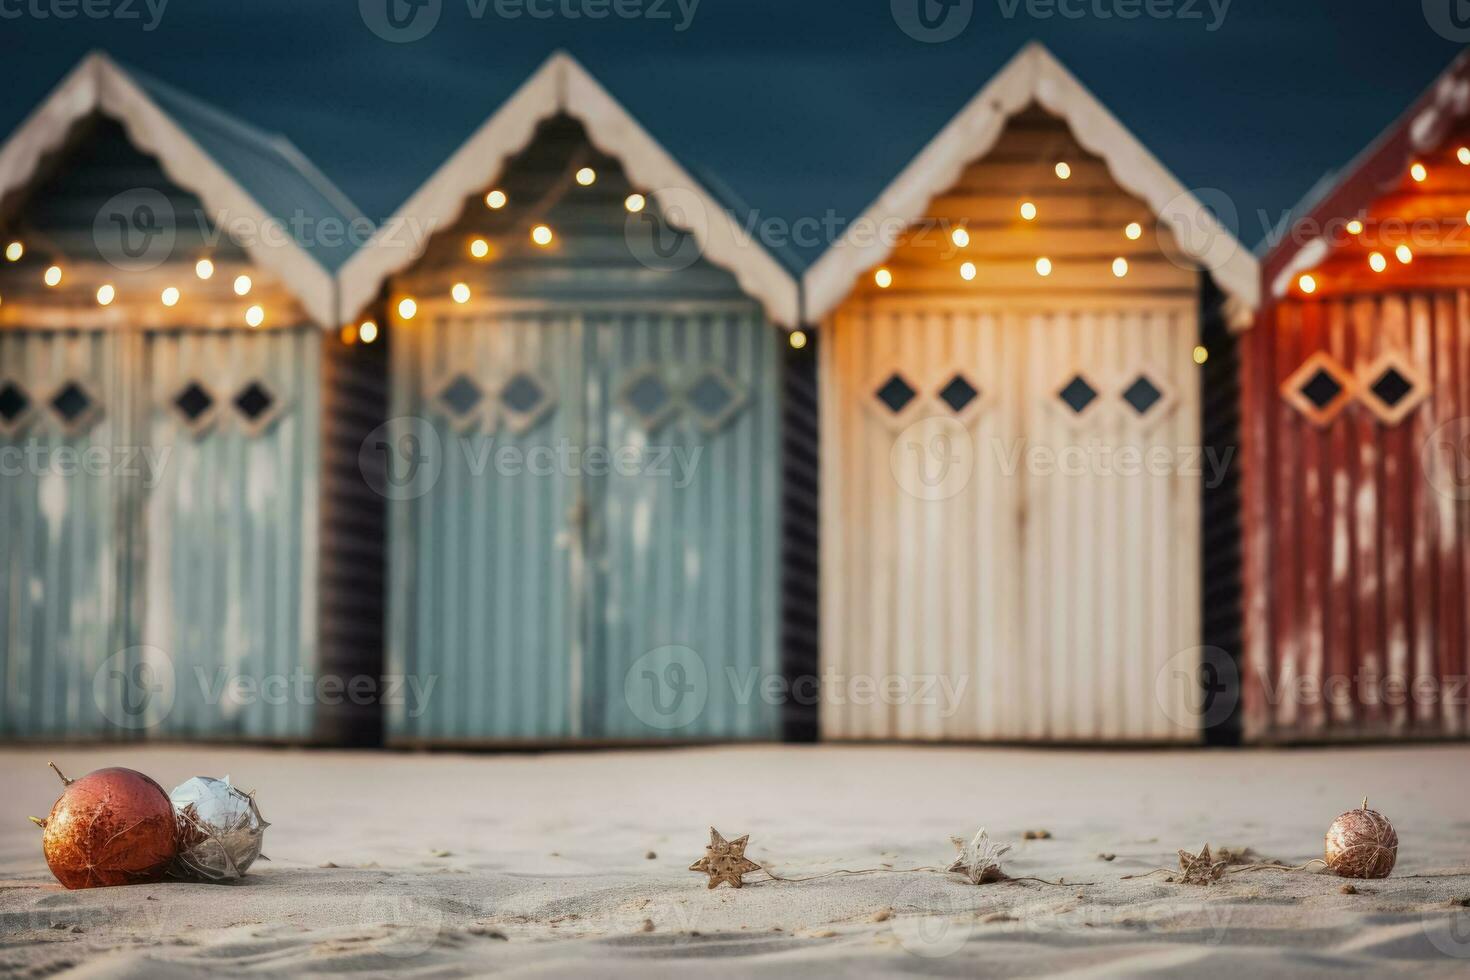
(801, 539)
(1056, 600)
(216, 564)
(1222, 605)
(1357, 567)
(231, 533)
(693, 566)
(486, 573)
(531, 599)
(528, 597)
(354, 545)
(64, 541)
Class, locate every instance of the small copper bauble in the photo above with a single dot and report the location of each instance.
(111, 827)
(1362, 844)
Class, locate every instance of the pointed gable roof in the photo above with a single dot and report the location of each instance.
(232, 167)
(562, 86)
(1034, 76)
(1377, 171)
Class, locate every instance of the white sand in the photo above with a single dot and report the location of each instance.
(451, 865)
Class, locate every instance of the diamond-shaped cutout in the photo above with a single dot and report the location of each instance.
(1393, 388)
(715, 397)
(254, 401)
(522, 394)
(193, 402)
(1143, 395)
(257, 406)
(896, 393)
(1319, 389)
(74, 406)
(525, 398)
(461, 396)
(647, 397)
(15, 404)
(194, 406)
(959, 393)
(71, 402)
(1077, 394)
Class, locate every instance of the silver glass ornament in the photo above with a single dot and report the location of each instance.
(220, 830)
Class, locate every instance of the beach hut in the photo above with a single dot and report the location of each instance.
(1016, 431)
(183, 553)
(588, 353)
(1356, 392)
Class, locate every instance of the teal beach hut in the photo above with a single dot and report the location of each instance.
(180, 552)
(585, 454)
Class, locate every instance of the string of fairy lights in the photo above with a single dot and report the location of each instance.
(884, 278)
(1308, 282)
(107, 293)
(541, 235)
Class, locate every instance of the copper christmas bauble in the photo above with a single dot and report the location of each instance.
(1362, 844)
(111, 827)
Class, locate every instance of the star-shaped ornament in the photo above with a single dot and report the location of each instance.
(979, 860)
(725, 860)
(1199, 869)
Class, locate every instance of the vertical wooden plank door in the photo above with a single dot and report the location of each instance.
(487, 568)
(683, 634)
(1011, 522)
(230, 527)
(64, 506)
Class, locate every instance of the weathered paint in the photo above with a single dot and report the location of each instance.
(530, 595)
(1049, 602)
(1011, 599)
(62, 575)
(229, 533)
(528, 598)
(169, 588)
(1356, 543)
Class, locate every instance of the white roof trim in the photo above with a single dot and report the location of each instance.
(99, 85)
(1034, 75)
(561, 85)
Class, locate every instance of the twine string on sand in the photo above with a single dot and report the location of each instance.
(1233, 871)
(848, 873)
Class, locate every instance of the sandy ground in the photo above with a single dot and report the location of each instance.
(575, 864)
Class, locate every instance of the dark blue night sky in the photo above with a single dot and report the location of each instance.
(801, 106)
